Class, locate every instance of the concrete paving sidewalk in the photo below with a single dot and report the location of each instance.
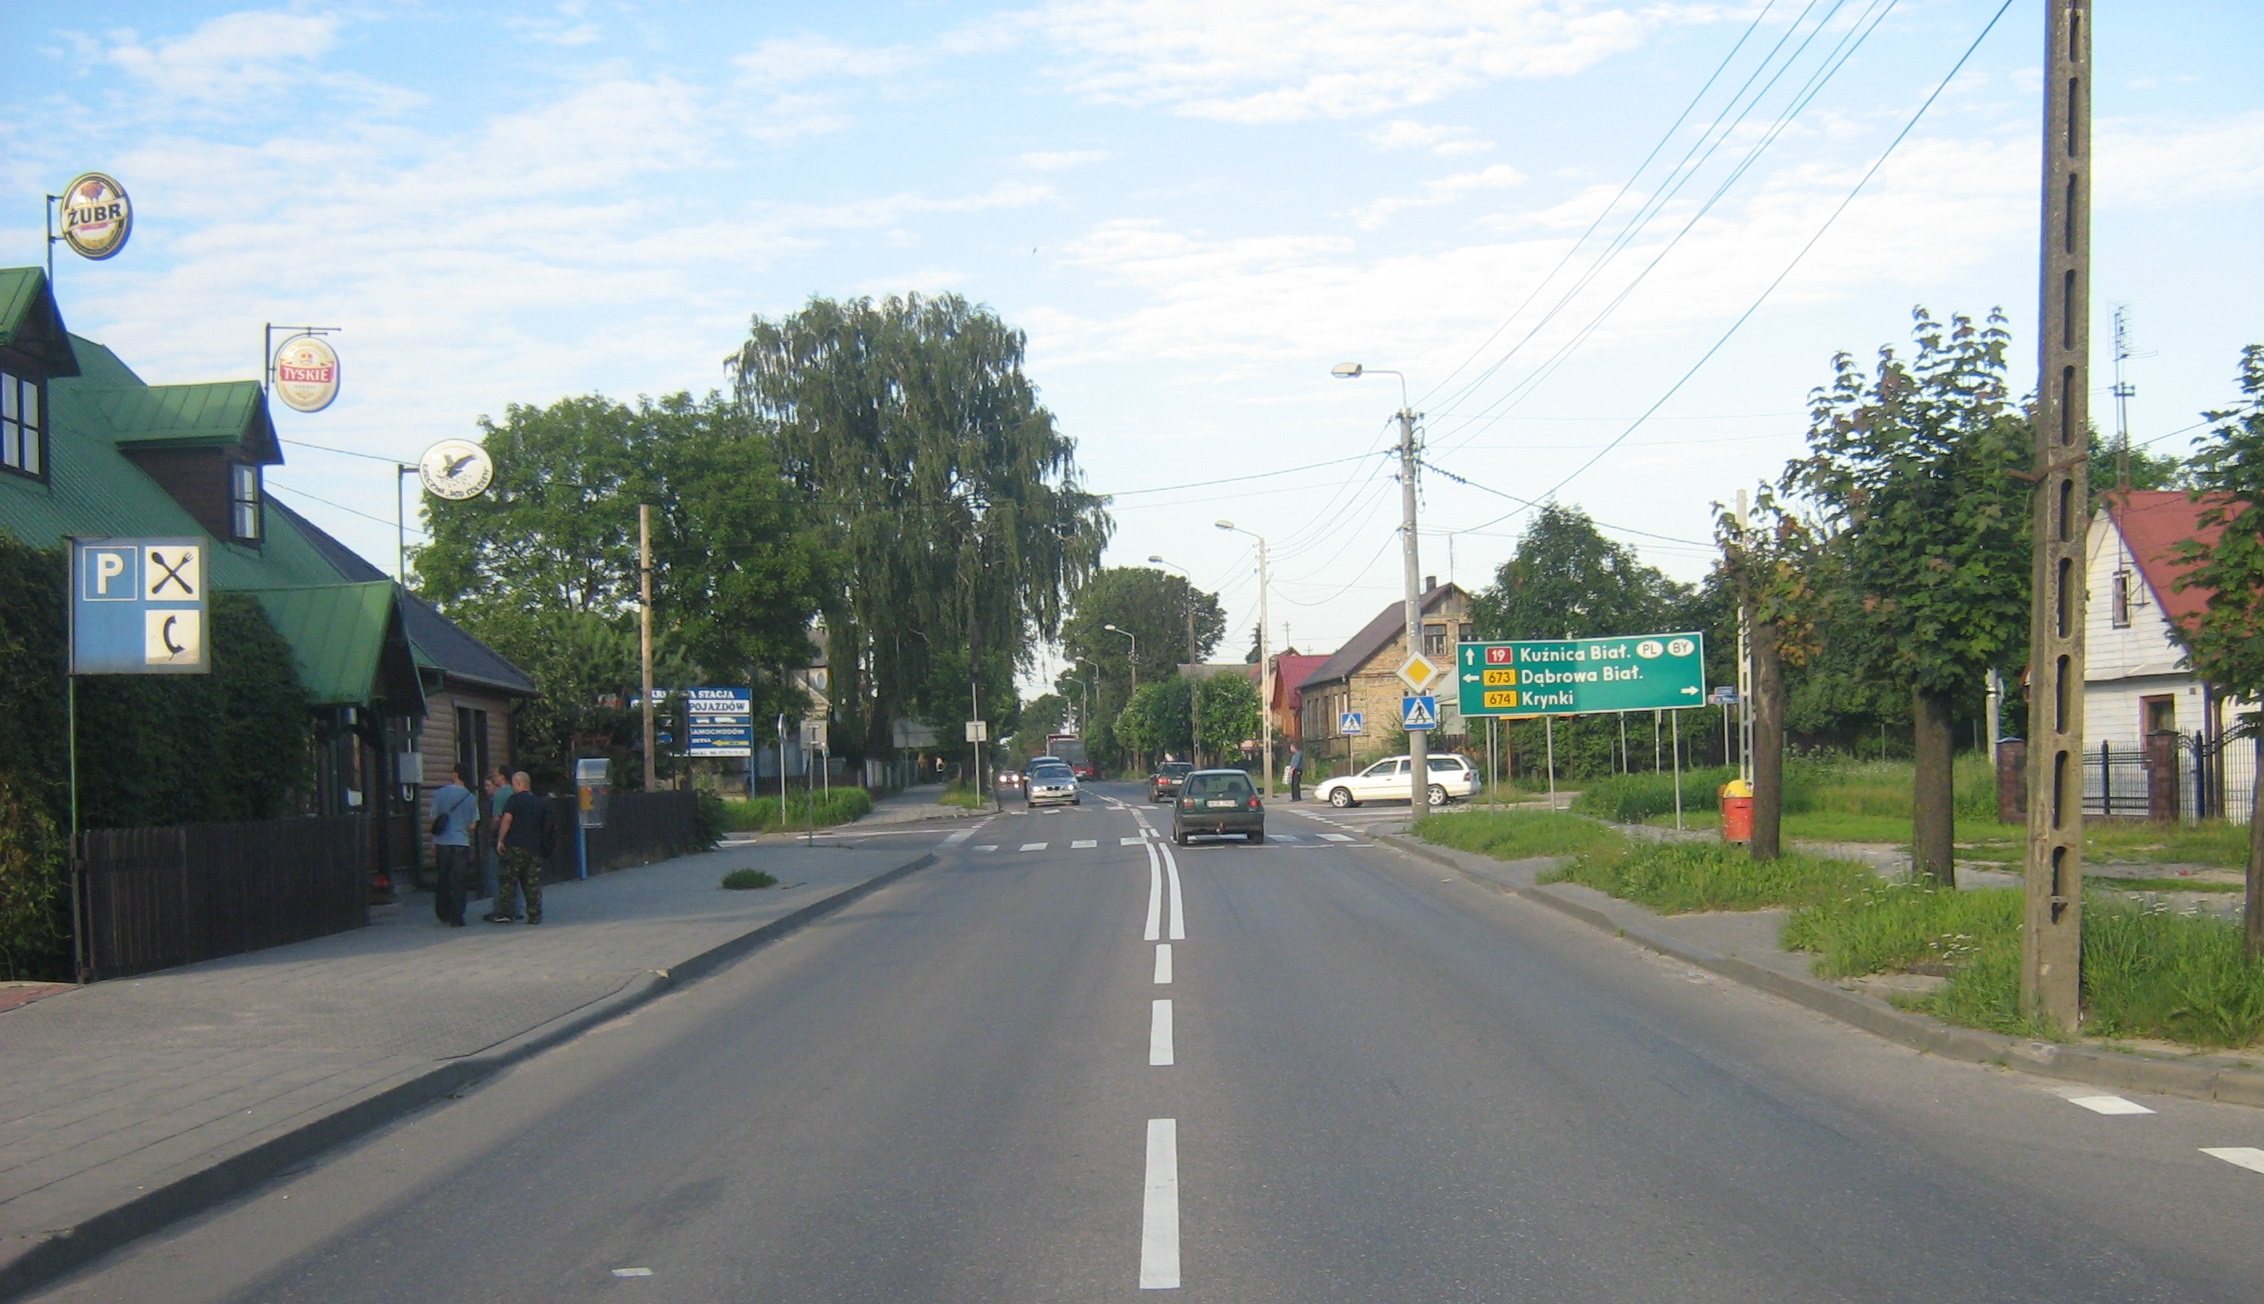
(127, 1104)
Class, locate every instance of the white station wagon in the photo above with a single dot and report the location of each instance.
(1387, 780)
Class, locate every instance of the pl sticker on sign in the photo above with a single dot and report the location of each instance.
(306, 373)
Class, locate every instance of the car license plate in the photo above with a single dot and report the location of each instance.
(1224, 805)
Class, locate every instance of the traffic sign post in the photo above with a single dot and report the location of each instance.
(1582, 676)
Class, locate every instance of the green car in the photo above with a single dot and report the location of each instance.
(1218, 802)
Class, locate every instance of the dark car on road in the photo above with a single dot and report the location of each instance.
(1167, 778)
(1218, 802)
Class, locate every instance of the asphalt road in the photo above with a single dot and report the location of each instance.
(1372, 1083)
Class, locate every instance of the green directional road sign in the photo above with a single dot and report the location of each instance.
(1576, 676)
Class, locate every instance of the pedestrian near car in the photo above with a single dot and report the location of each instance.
(1297, 774)
(522, 836)
(454, 811)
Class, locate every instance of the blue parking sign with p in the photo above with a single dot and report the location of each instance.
(138, 606)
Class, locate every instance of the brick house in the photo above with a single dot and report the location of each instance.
(1363, 676)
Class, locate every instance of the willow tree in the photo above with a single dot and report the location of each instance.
(953, 500)
(1914, 470)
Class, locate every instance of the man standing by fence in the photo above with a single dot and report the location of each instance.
(497, 787)
(454, 810)
(521, 838)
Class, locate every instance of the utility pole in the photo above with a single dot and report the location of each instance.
(644, 638)
(2052, 928)
(2122, 392)
(1265, 677)
(1418, 740)
(1744, 663)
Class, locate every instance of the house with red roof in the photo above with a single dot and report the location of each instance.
(2136, 681)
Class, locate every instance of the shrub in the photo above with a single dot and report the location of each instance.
(33, 939)
(713, 818)
(1634, 798)
(760, 815)
(742, 880)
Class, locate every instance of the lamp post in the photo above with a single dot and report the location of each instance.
(1092, 690)
(1265, 663)
(1418, 741)
(1134, 663)
(1155, 560)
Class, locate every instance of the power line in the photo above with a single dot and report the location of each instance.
(1771, 288)
(1528, 502)
(1232, 479)
(301, 493)
(342, 452)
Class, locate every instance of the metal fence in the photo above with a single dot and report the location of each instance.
(156, 898)
(640, 827)
(2214, 779)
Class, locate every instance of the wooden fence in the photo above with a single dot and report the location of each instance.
(640, 828)
(156, 898)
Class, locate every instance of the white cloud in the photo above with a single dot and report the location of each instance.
(1405, 133)
(2145, 163)
(791, 60)
(235, 57)
(1286, 60)
(1062, 160)
(1444, 190)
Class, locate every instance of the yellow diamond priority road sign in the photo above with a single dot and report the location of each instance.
(1418, 674)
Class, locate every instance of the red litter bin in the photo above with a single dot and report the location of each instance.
(1737, 811)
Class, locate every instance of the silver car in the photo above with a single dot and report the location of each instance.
(1053, 785)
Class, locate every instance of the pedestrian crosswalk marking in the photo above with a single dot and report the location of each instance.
(1335, 837)
(1285, 837)
(988, 847)
(1082, 843)
(1034, 846)
(1130, 842)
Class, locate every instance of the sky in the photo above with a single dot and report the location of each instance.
(1610, 246)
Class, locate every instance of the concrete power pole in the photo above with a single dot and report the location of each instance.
(2051, 933)
(644, 626)
(1265, 677)
(1418, 741)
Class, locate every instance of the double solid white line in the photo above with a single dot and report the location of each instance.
(1160, 868)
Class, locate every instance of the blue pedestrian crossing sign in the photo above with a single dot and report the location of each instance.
(1352, 722)
(1418, 713)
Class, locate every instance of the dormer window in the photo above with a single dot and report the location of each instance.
(23, 429)
(243, 500)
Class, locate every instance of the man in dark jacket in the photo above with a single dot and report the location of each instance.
(520, 836)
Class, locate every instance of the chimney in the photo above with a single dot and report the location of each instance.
(1430, 582)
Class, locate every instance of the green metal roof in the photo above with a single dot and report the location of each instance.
(29, 322)
(188, 416)
(338, 635)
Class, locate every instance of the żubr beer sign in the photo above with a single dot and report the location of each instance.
(97, 216)
(306, 373)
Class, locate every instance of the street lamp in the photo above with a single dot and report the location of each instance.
(1265, 663)
(1418, 741)
(1135, 653)
(1157, 560)
(1092, 690)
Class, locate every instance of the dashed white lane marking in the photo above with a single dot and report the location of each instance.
(2248, 1157)
(1334, 837)
(1155, 896)
(1163, 964)
(959, 837)
(1178, 898)
(1159, 1034)
(1130, 842)
(2109, 1105)
(988, 846)
(632, 1272)
(1081, 844)
(1159, 1208)
(1034, 846)
(1283, 837)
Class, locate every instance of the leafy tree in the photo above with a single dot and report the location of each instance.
(1038, 717)
(2147, 470)
(1153, 605)
(1567, 580)
(1769, 559)
(1913, 471)
(1226, 708)
(587, 670)
(2226, 644)
(922, 451)
(1156, 720)
(544, 565)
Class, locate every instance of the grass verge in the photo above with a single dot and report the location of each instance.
(1515, 835)
(960, 794)
(742, 880)
(1676, 878)
(831, 807)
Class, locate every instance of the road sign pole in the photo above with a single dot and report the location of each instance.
(1548, 731)
(71, 849)
(1678, 772)
(1418, 741)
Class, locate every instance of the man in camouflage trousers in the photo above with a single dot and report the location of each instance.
(520, 836)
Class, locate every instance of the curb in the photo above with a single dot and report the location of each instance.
(2088, 1064)
(58, 1251)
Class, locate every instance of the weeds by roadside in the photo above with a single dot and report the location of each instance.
(1684, 877)
(742, 880)
(831, 807)
(1515, 835)
(960, 794)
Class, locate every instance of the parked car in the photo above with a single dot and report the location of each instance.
(1052, 785)
(1222, 802)
(1387, 780)
(1008, 779)
(1167, 778)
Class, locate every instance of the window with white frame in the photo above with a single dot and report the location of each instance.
(23, 429)
(243, 499)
